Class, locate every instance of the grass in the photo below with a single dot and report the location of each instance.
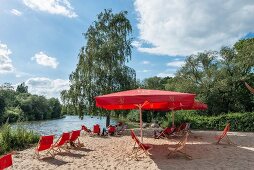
(16, 138)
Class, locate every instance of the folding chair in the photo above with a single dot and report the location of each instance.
(61, 142)
(74, 138)
(5, 161)
(111, 130)
(45, 143)
(179, 147)
(143, 148)
(86, 130)
(96, 129)
(184, 127)
(122, 130)
(224, 134)
(166, 132)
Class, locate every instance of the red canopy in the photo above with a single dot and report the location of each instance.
(131, 98)
(143, 99)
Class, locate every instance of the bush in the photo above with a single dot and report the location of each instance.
(16, 138)
(133, 116)
(238, 121)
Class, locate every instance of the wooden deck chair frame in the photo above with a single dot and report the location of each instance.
(180, 147)
(49, 149)
(59, 144)
(224, 135)
(140, 149)
(6, 161)
(180, 131)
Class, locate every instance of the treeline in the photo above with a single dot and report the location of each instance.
(217, 77)
(19, 105)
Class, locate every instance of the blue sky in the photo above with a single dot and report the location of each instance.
(40, 39)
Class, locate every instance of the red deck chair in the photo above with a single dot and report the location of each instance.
(86, 130)
(166, 132)
(96, 129)
(111, 130)
(5, 161)
(181, 127)
(45, 143)
(61, 142)
(224, 134)
(143, 148)
(74, 139)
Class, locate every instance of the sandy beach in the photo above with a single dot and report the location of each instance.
(111, 153)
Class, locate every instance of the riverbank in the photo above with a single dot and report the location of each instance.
(111, 153)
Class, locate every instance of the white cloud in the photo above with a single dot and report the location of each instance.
(179, 27)
(145, 62)
(146, 71)
(47, 87)
(5, 60)
(165, 75)
(60, 7)
(45, 60)
(136, 44)
(175, 63)
(16, 12)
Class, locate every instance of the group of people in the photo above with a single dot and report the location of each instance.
(114, 129)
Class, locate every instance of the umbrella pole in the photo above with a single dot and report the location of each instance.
(140, 122)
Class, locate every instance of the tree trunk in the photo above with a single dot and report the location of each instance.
(108, 120)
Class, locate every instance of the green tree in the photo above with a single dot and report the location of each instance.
(101, 68)
(155, 83)
(217, 78)
(22, 88)
(2, 107)
(55, 106)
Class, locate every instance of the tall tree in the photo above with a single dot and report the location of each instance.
(22, 88)
(101, 68)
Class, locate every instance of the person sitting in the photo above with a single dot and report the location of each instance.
(120, 129)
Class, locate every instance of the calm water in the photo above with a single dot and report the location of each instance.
(66, 124)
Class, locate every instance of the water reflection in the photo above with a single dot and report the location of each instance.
(66, 124)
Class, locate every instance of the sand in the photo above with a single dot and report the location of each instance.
(111, 153)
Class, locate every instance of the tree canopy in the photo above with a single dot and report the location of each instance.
(21, 105)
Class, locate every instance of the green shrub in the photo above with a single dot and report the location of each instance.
(16, 138)
(133, 116)
(238, 121)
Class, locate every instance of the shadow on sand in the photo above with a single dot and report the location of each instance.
(54, 161)
(205, 155)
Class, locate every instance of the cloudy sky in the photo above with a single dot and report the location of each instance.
(40, 39)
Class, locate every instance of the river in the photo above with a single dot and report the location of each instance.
(69, 123)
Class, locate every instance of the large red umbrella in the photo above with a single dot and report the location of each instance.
(142, 99)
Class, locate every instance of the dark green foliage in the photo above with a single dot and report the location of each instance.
(16, 138)
(22, 88)
(133, 116)
(55, 107)
(21, 106)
